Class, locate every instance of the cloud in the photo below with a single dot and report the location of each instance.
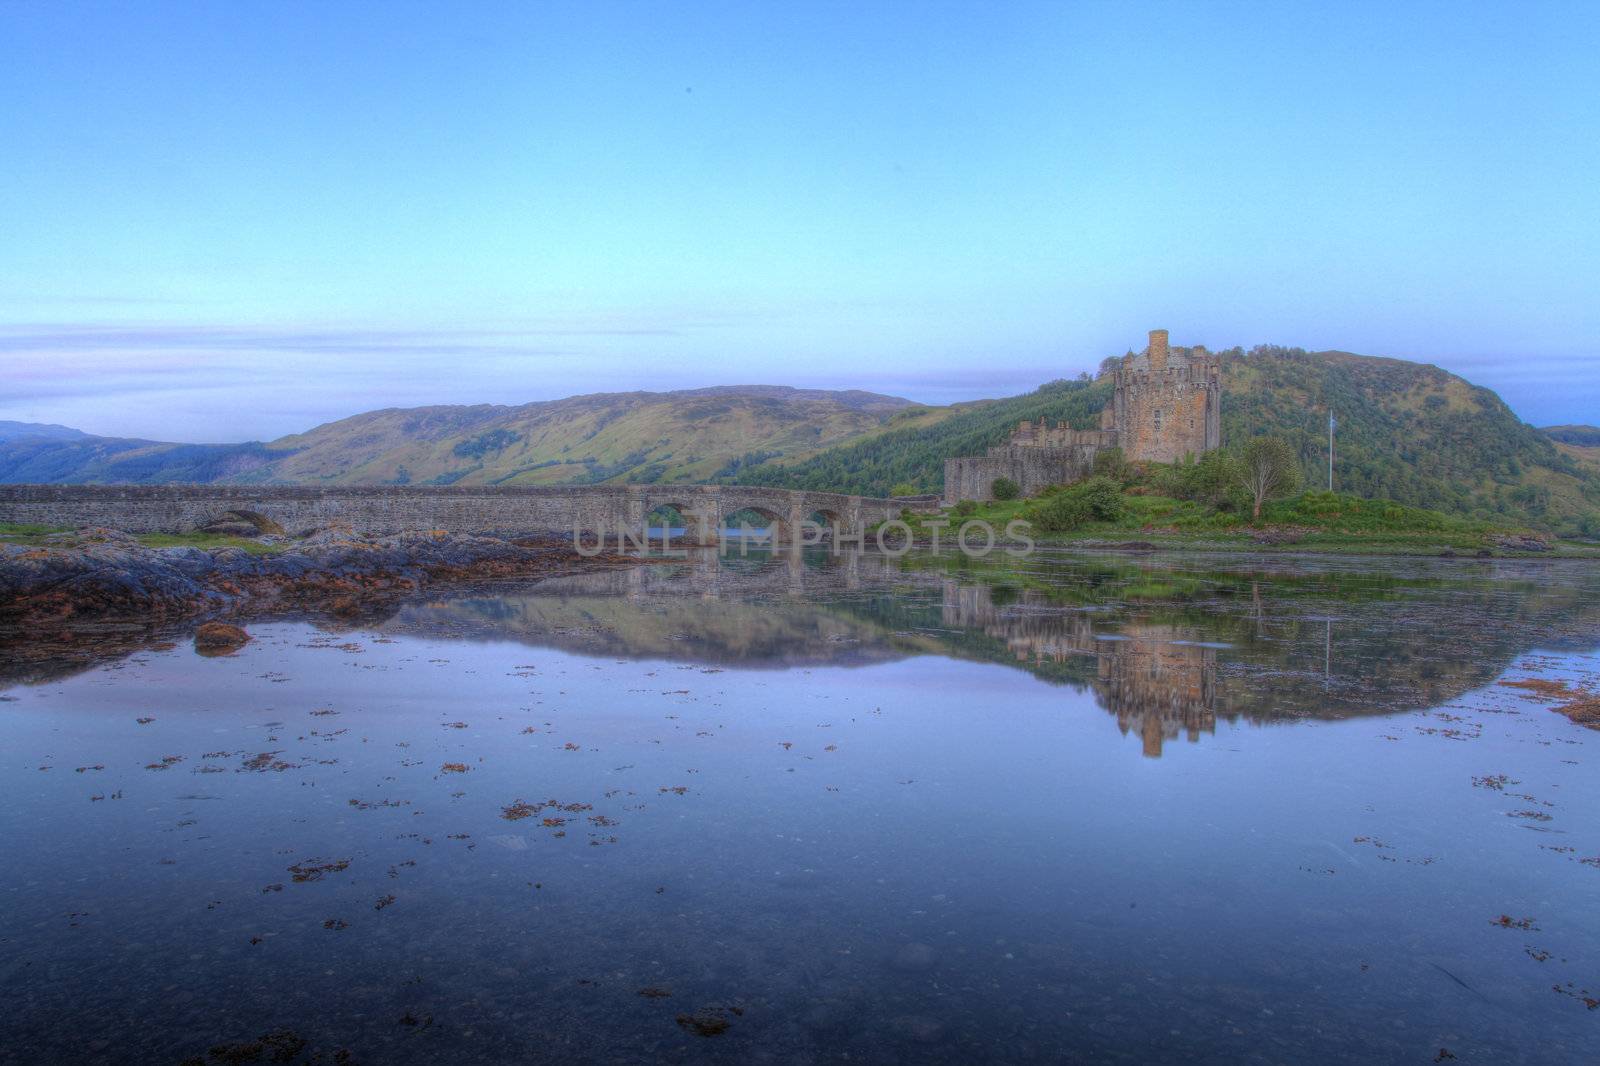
(199, 381)
(132, 338)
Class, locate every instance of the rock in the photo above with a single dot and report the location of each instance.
(1279, 534)
(1522, 542)
(112, 575)
(345, 607)
(328, 534)
(108, 577)
(708, 1021)
(219, 638)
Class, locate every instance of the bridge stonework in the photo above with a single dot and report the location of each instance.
(384, 509)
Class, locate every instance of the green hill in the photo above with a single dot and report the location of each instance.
(1408, 432)
(1581, 436)
(692, 435)
(915, 454)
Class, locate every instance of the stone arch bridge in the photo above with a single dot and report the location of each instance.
(383, 509)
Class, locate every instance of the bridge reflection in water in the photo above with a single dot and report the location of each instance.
(787, 610)
(1168, 649)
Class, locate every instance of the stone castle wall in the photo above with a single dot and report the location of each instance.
(1166, 404)
(1032, 468)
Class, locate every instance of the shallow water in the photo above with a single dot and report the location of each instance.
(1204, 809)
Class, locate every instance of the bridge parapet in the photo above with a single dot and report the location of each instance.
(384, 509)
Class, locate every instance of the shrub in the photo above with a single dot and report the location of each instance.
(1112, 464)
(902, 488)
(1062, 512)
(963, 508)
(1099, 499)
(1213, 480)
(1005, 489)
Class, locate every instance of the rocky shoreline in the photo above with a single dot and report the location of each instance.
(97, 575)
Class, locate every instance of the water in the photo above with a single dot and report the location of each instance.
(1209, 809)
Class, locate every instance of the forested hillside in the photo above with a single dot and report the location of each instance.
(1409, 432)
(1406, 431)
(915, 456)
(1582, 436)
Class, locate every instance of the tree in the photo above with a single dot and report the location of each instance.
(1004, 489)
(902, 488)
(1268, 468)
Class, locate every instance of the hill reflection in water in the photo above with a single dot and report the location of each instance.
(853, 807)
(1167, 645)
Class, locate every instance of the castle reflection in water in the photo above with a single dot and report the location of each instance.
(1158, 680)
(1166, 646)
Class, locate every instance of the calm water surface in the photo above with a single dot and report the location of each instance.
(1203, 809)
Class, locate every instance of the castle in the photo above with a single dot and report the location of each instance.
(1167, 404)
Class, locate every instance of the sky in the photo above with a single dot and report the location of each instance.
(226, 221)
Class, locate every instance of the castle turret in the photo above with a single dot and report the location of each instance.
(1158, 350)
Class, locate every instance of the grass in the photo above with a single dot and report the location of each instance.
(208, 541)
(1319, 521)
(36, 536)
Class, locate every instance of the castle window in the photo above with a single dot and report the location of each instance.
(1158, 418)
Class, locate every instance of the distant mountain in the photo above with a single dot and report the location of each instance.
(1582, 436)
(691, 435)
(1581, 444)
(37, 431)
(1407, 431)
(123, 460)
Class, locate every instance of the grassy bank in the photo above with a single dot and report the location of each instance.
(49, 536)
(1312, 521)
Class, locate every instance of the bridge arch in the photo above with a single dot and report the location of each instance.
(239, 520)
(777, 524)
(666, 516)
(698, 510)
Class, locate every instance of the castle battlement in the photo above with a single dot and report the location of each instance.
(1166, 404)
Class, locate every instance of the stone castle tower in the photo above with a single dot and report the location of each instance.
(1167, 404)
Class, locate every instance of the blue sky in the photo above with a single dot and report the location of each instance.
(230, 220)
